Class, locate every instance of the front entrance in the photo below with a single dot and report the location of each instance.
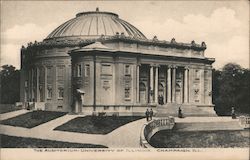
(143, 93)
(78, 100)
(161, 95)
(178, 94)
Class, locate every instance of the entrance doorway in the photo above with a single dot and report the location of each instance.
(143, 93)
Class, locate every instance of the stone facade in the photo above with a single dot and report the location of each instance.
(116, 74)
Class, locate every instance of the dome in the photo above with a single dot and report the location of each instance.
(88, 25)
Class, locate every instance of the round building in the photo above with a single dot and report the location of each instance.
(97, 62)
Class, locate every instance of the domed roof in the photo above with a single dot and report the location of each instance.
(88, 25)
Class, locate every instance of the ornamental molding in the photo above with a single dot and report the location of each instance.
(64, 42)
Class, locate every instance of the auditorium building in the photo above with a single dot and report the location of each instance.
(97, 62)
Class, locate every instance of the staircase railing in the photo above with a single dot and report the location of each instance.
(152, 127)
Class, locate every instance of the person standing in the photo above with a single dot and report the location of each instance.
(147, 115)
(180, 113)
(151, 114)
(233, 113)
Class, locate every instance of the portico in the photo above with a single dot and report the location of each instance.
(165, 85)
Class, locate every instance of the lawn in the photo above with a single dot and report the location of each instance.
(200, 139)
(21, 142)
(32, 119)
(96, 125)
(4, 108)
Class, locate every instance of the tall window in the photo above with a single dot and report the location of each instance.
(49, 82)
(49, 75)
(60, 81)
(49, 92)
(41, 83)
(127, 89)
(87, 70)
(79, 70)
(60, 92)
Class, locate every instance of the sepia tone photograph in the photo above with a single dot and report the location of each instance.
(125, 80)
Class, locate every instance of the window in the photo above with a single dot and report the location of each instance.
(127, 108)
(197, 75)
(87, 70)
(49, 75)
(106, 107)
(106, 69)
(127, 70)
(79, 70)
(127, 88)
(49, 92)
(41, 93)
(60, 92)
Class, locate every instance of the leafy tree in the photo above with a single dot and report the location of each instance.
(231, 89)
(10, 84)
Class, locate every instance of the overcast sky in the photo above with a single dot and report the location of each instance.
(223, 25)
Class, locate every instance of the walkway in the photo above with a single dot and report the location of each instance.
(12, 114)
(125, 136)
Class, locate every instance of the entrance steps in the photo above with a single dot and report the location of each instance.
(171, 109)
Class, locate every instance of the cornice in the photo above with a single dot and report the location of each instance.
(66, 42)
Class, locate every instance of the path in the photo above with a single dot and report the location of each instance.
(125, 136)
(12, 114)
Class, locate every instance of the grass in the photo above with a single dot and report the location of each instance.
(96, 125)
(4, 108)
(21, 142)
(32, 119)
(200, 139)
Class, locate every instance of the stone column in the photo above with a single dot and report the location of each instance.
(137, 83)
(210, 86)
(173, 83)
(169, 84)
(37, 85)
(151, 84)
(156, 83)
(186, 85)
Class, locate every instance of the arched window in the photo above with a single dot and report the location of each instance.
(161, 88)
(142, 87)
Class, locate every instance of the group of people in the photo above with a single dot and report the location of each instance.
(149, 114)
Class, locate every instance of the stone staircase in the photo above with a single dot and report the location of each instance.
(187, 110)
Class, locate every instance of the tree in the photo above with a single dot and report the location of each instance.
(10, 84)
(231, 89)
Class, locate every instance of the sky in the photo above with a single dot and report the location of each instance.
(222, 25)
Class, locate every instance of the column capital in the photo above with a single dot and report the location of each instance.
(155, 65)
(174, 66)
(187, 67)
